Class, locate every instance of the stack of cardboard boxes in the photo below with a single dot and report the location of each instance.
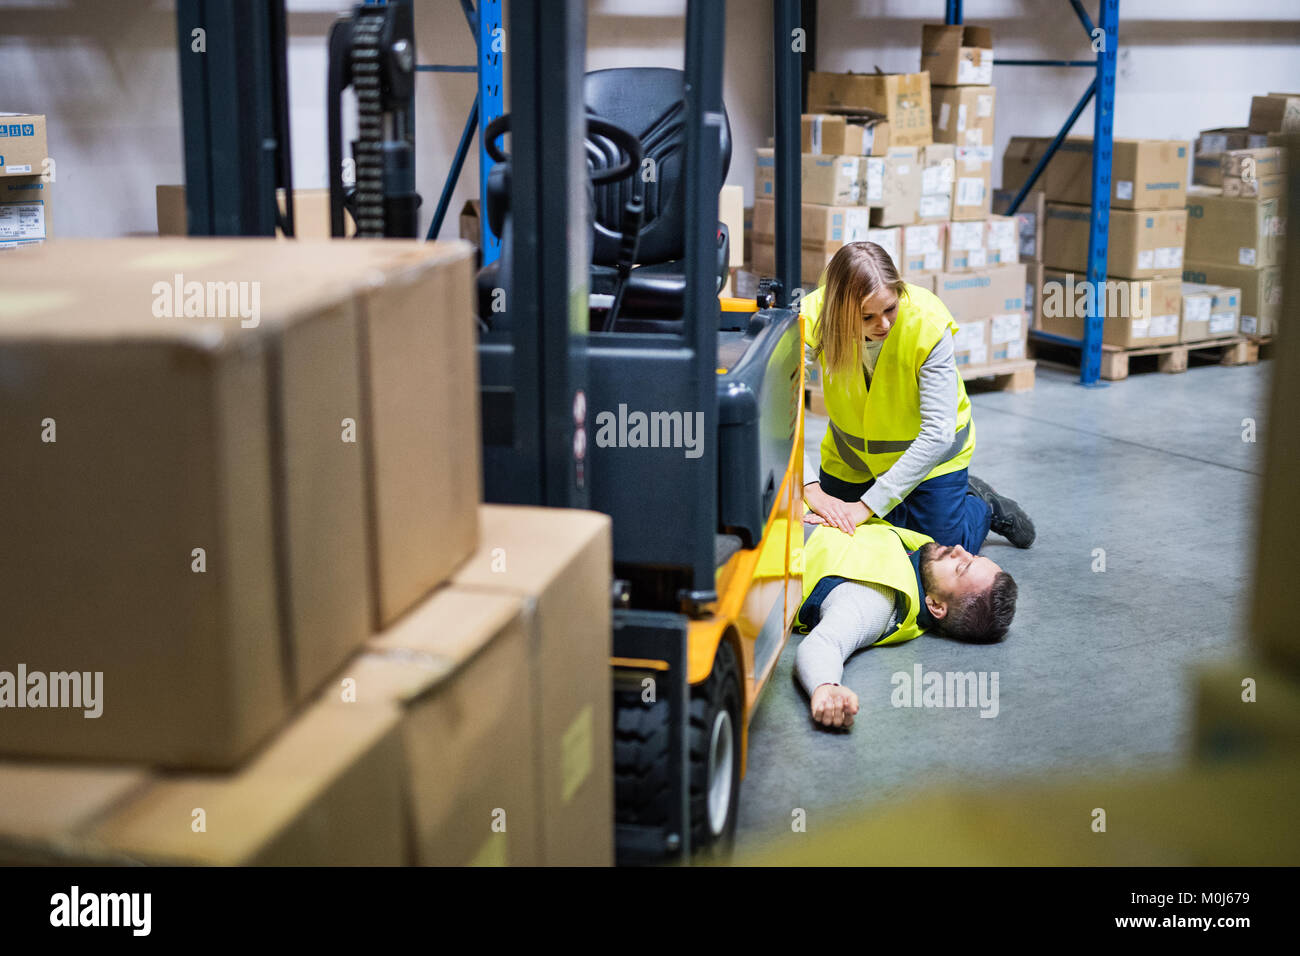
(1236, 231)
(892, 160)
(26, 180)
(254, 604)
(1147, 235)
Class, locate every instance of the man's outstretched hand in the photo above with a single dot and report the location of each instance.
(834, 706)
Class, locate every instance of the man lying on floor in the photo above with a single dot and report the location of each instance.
(886, 585)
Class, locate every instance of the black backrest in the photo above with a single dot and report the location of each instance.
(647, 101)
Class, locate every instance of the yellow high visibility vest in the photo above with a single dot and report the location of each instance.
(877, 554)
(871, 427)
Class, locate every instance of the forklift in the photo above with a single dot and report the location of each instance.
(613, 377)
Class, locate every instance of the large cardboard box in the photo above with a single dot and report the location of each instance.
(1002, 240)
(23, 148)
(818, 224)
(1211, 144)
(892, 186)
(1137, 313)
(1234, 230)
(1275, 113)
(731, 213)
(982, 293)
(972, 195)
(966, 249)
(938, 165)
(903, 99)
(1256, 173)
(957, 55)
(1143, 243)
(833, 135)
(924, 249)
(1030, 216)
(326, 792)
(1145, 173)
(470, 772)
(1209, 312)
(24, 211)
(1261, 291)
(833, 180)
(560, 562)
(971, 342)
(311, 213)
(1008, 335)
(48, 806)
(225, 493)
(963, 115)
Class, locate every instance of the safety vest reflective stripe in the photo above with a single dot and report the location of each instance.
(883, 447)
(845, 444)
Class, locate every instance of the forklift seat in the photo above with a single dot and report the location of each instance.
(648, 102)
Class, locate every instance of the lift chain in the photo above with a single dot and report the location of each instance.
(369, 149)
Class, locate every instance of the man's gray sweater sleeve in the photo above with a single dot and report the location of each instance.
(853, 616)
(938, 385)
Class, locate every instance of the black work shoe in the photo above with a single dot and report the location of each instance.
(1009, 519)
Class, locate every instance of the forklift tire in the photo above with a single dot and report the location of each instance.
(642, 785)
(715, 758)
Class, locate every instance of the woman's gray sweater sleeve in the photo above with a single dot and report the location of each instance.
(938, 386)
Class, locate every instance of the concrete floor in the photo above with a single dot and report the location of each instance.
(1096, 671)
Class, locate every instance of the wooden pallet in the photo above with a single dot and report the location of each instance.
(1015, 375)
(1170, 359)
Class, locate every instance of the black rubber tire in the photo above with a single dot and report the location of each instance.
(721, 690)
(642, 785)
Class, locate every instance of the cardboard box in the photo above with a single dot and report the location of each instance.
(1008, 335)
(764, 173)
(1137, 313)
(471, 223)
(1255, 173)
(731, 213)
(971, 342)
(1030, 217)
(818, 224)
(972, 196)
(1209, 311)
(1261, 291)
(1143, 243)
(48, 806)
(924, 281)
(269, 447)
(1211, 144)
(966, 250)
(832, 135)
(813, 259)
(1234, 230)
(924, 248)
(963, 115)
(23, 149)
(833, 180)
(893, 186)
(1145, 173)
(938, 165)
(470, 773)
(24, 211)
(957, 55)
(560, 563)
(1002, 240)
(903, 99)
(1275, 113)
(891, 240)
(325, 792)
(311, 213)
(982, 293)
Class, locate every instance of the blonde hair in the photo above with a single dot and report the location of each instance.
(859, 270)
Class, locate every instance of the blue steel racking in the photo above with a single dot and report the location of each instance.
(485, 25)
(1105, 41)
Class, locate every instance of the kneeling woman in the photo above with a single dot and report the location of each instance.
(901, 434)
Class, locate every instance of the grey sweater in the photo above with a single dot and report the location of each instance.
(938, 386)
(853, 616)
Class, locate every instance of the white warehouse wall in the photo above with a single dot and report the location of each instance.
(105, 73)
